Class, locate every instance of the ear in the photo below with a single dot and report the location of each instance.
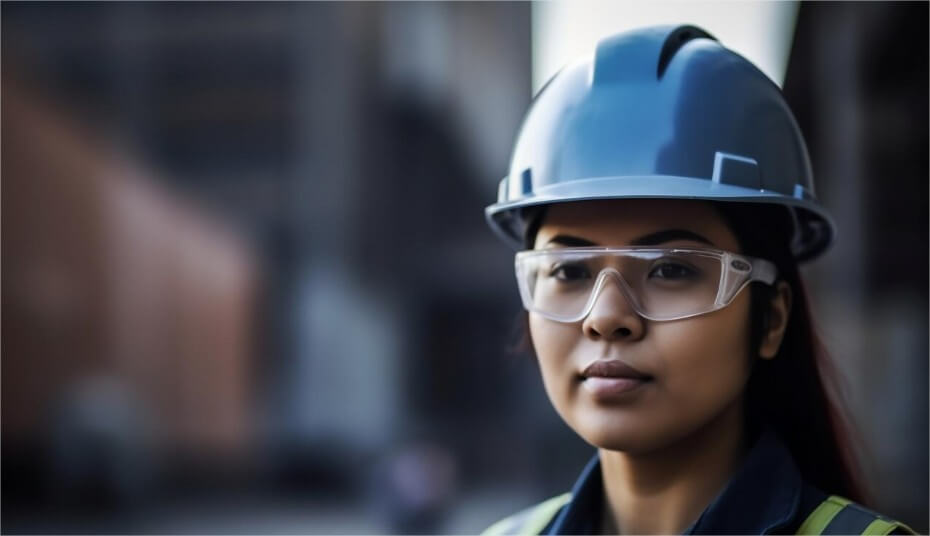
(779, 310)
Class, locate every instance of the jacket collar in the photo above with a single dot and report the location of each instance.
(762, 497)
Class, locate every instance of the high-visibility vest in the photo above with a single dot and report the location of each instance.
(835, 515)
(530, 521)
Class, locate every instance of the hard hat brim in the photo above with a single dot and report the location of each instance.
(815, 232)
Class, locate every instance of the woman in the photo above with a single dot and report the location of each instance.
(663, 195)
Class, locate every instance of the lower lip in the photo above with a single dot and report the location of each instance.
(607, 388)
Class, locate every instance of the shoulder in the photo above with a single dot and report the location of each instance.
(828, 514)
(832, 514)
(530, 520)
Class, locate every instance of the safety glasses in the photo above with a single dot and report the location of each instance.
(563, 284)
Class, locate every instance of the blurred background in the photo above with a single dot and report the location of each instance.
(248, 287)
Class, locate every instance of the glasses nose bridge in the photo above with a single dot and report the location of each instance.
(624, 288)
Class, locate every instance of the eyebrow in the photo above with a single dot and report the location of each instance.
(652, 239)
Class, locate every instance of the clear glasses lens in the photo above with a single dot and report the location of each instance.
(660, 283)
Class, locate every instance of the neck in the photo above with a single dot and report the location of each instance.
(665, 491)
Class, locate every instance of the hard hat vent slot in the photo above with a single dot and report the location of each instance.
(526, 179)
(736, 170)
(675, 41)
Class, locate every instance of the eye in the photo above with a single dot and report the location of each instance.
(672, 271)
(569, 272)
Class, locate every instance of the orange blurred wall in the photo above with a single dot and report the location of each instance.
(110, 279)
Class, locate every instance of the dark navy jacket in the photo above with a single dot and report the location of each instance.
(766, 496)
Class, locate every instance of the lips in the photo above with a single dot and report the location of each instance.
(613, 369)
(611, 382)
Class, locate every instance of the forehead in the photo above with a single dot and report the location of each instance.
(618, 222)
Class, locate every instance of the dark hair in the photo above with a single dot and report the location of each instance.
(798, 392)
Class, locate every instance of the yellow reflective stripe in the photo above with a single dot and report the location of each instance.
(529, 521)
(881, 527)
(822, 515)
(820, 519)
(498, 528)
(544, 513)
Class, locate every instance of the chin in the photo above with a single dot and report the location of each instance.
(615, 434)
(630, 444)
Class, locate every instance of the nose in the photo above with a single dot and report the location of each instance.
(612, 318)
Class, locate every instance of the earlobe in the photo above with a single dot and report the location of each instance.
(779, 311)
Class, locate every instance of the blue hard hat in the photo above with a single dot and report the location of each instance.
(661, 112)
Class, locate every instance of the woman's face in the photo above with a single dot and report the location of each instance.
(697, 367)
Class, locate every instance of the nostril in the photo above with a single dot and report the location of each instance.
(622, 332)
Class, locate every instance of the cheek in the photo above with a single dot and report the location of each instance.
(704, 360)
(703, 367)
(554, 343)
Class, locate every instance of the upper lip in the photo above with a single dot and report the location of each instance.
(613, 368)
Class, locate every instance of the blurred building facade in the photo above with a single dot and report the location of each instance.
(248, 286)
(857, 81)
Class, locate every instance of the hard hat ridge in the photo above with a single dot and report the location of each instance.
(675, 40)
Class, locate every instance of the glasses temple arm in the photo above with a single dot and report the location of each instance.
(764, 271)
